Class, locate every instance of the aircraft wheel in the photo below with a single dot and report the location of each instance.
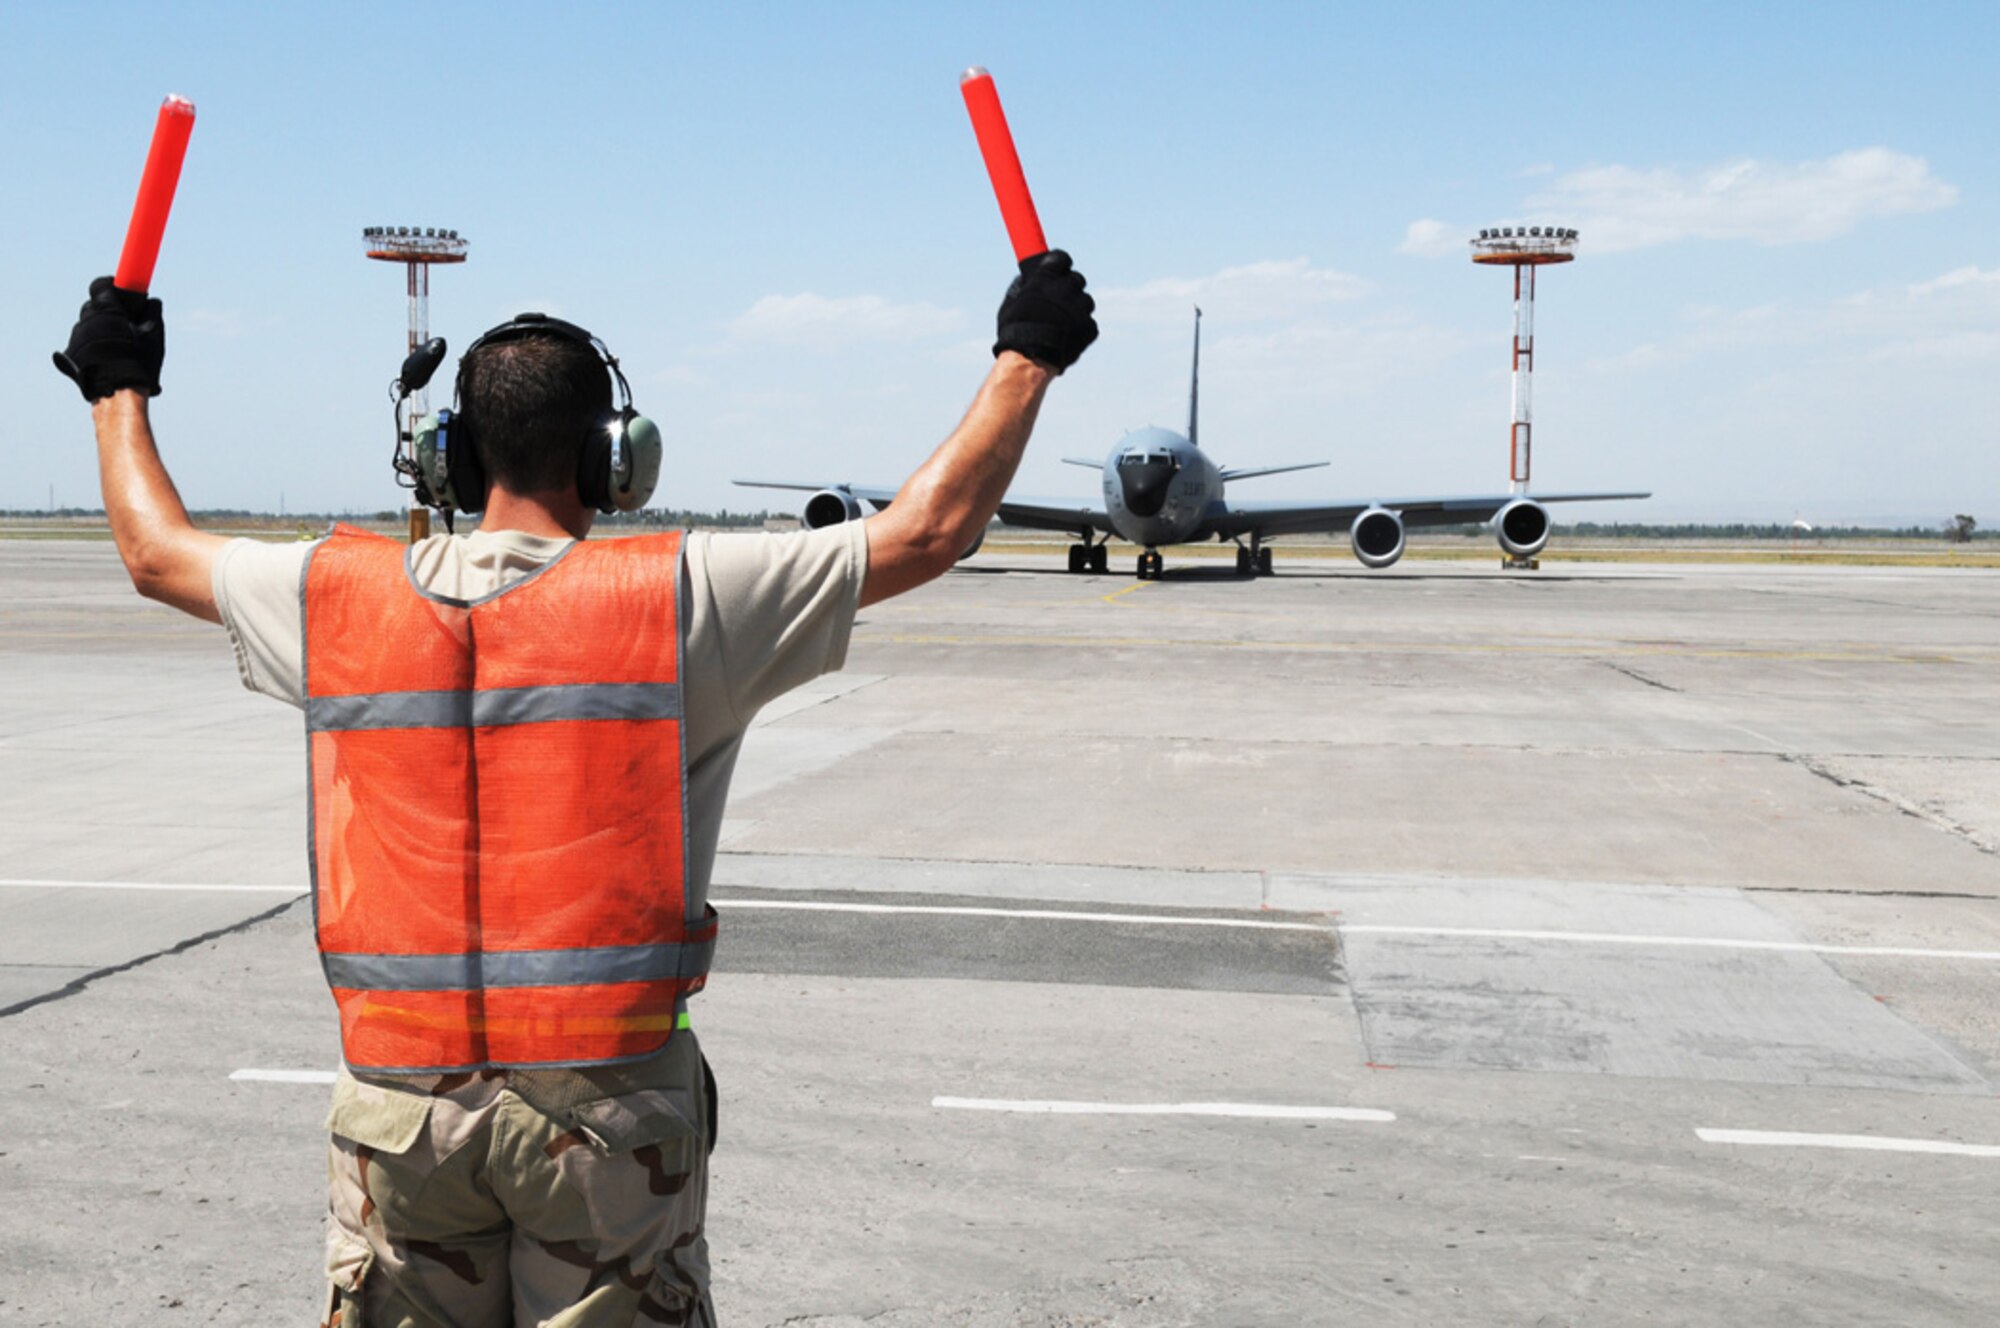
(1263, 562)
(1100, 558)
(1243, 567)
(1077, 557)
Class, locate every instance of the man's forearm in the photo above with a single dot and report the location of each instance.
(942, 508)
(168, 559)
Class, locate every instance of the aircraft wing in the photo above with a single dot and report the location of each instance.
(1283, 518)
(879, 497)
(1070, 515)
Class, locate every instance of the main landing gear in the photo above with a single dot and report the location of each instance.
(1088, 557)
(1151, 565)
(1253, 561)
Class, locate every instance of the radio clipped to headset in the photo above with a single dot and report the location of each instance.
(620, 462)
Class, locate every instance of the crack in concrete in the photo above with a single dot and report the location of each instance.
(75, 985)
(1637, 676)
(1916, 810)
(1865, 894)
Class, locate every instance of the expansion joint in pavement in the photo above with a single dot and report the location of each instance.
(75, 985)
(1915, 810)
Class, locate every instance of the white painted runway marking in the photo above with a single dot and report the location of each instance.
(156, 885)
(1252, 1110)
(1701, 942)
(1868, 1142)
(1049, 914)
(283, 1076)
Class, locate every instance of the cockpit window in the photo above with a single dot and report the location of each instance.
(1144, 459)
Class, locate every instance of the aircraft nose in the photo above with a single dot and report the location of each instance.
(1144, 481)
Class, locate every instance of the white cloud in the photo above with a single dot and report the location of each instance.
(1329, 359)
(832, 322)
(1623, 207)
(1959, 279)
(1952, 317)
(1275, 289)
(1431, 238)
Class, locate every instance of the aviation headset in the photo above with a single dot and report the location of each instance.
(617, 471)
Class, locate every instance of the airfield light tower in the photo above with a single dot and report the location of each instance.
(1523, 248)
(416, 248)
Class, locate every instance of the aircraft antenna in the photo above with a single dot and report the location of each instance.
(1523, 248)
(1194, 377)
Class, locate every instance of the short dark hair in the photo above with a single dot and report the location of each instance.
(533, 401)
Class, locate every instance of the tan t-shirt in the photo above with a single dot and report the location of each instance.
(760, 614)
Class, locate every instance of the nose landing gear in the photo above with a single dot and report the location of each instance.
(1151, 565)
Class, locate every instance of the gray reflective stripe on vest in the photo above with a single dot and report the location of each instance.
(588, 700)
(518, 968)
(494, 707)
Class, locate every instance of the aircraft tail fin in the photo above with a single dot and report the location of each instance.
(1194, 379)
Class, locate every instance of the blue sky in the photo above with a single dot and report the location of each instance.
(1787, 299)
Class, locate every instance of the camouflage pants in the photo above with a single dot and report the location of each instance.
(493, 1200)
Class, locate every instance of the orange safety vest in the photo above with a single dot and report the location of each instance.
(499, 816)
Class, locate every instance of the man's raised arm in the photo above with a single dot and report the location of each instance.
(1045, 323)
(114, 357)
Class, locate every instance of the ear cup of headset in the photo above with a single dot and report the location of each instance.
(620, 466)
(449, 476)
(633, 483)
(468, 477)
(594, 468)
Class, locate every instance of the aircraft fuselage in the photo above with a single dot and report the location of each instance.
(1159, 488)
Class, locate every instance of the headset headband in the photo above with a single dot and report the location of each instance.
(522, 326)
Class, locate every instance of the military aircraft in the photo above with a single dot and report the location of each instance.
(1161, 489)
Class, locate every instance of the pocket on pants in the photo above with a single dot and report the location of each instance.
(348, 1263)
(662, 1118)
(382, 1119)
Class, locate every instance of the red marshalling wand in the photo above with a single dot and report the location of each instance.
(1003, 164)
(156, 195)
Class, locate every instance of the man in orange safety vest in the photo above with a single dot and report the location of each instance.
(519, 748)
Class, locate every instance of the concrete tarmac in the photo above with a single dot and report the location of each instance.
(1602, 945)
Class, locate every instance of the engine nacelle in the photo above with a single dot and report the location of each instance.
(1377, 537)
(829, 507)
(1522, 527)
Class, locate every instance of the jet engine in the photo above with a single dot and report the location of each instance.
(1522, 527)
(830, 507)
(1377, 536)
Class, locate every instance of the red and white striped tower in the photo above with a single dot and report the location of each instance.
(1523, 248)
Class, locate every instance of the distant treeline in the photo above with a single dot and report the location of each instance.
(724, 519)
(1733, 530)
(1773, 531)
(665, 518)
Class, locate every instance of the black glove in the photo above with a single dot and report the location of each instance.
(119, 341)
(1046, 315)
